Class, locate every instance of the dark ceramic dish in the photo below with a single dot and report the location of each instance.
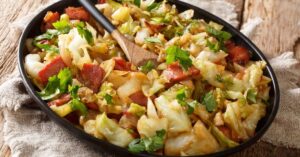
(32, 29)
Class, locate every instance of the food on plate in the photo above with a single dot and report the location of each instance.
(204, 95)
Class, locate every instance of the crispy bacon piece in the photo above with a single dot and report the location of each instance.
(101, 1)
(60, 101)
(122, 64)
(175, 73)
(92, 76)
(92, 106)
(77, 13)
(139, 98)
(49, 18)
(51, 69)
(237, 54)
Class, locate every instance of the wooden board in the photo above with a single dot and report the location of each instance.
(279, 32)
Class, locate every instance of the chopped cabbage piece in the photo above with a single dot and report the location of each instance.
(223, 140)
(148, 125)
(177, 117)
(136, 109)
(112, 131)
(232, 118)
(250, 123)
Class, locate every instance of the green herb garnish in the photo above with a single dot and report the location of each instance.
(57, 84)
(148, 144)
(174, 53)
(209, 101)
(86, 34)
(147, 67)
(108, 99)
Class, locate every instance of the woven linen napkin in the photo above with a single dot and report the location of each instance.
(29, 132)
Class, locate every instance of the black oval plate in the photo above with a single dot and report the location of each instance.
(32, 29)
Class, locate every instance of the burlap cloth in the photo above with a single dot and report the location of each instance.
(29, 132)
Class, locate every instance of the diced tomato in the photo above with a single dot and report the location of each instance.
(77, 13)
(49, 18)
(60, 101)
(92, 106)
(175, 73)
(139, 98)
(122, 64)
(238, 54)
(73, 118)
(92, 76)
(101, 1)
(51, 69)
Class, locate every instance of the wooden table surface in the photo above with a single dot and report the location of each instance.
(280, 32)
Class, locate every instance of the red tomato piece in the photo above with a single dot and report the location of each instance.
(51, 69)
(60, 101)
(101, 1)
(77, 13)
(139, 98)
(49, 18)
(239, 54)
(122, 64)
(92, 106)
(175, 73)
(92, 76)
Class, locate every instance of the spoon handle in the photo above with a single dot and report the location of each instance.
(100, 18)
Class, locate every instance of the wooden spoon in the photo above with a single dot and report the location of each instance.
(135, 54)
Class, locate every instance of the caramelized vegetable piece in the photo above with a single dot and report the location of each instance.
(238, 54)
(49, 18)
(60, 101)
(92, 76)
(175, 73)
(77, 13)
(121, 64)
(139, 98)
(51, 69)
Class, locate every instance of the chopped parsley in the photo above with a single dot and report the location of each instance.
(148, 144)
(174, 53)
(108, 99)
(182, 100)
(209, 101)
(62, 26)
(137, 2)
(73, 91)
(147, 67)
(85, 33)
(221, 36)
(76, 104)
(57, 84)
